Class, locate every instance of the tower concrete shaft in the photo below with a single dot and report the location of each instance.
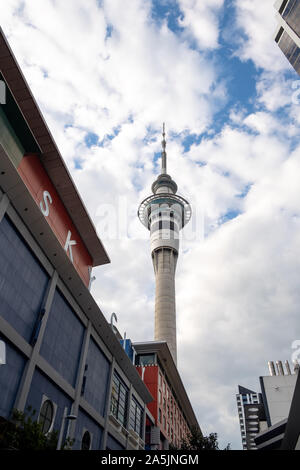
(164, 263)
(165, 214)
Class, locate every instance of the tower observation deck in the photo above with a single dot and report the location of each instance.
(165, 213)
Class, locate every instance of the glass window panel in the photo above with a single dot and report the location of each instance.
(119, 399)
(291, 15)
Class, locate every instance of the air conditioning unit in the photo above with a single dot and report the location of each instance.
(155, 435)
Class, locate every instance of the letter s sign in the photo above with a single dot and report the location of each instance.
(45, 209)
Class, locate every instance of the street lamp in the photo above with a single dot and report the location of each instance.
(69, 417)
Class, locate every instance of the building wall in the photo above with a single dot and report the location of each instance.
(165, 407)
(23, 281)
(42, 388)
(10, 377)
(62, 340)
(52, 349)
(278, 393)
(97, 378)
(86, 423)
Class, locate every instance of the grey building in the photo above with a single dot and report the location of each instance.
(277, 392)
(251, 415)
(263, 415)
(284, 435)
(59, 355)
(287, 34)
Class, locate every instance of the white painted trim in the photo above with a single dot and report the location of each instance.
(44, 399)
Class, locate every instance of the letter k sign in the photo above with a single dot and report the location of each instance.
(69, 244)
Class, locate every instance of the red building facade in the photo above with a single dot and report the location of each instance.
(170, 408)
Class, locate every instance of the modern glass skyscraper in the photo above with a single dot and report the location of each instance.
(288, 31)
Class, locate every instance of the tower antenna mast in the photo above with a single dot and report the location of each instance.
(164, 153)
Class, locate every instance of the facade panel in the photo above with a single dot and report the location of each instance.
(63, 338)
(84, 424)
(43, 388)
(112, 444)
(96, 378)
(23, 281)
(10, 376)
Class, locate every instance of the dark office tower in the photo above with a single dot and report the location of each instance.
(288, 31)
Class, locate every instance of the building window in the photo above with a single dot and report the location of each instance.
(86, 441)
(290, 50)
(119, 399)
(159, 415)
(145, 360)
(292, 15)
(46, 416)
(135, 418)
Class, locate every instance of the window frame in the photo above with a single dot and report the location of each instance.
(46, 399)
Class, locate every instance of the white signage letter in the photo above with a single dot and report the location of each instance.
(2, 353)
(69, 244)
(45, 210)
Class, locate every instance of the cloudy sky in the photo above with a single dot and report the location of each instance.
(106, 74)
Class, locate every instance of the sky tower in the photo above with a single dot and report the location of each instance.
(164, 213)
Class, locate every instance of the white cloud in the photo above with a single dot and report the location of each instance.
(257, 23)
(201, 21)
(237, 287)
(276, 91)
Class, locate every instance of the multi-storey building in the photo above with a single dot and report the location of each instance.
(59, 354)
(251, 414)
(281, 392)
(277, 392)
(171, 409)
(263, 415)
(287, 34)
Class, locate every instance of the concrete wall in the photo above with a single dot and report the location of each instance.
(278, 391)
